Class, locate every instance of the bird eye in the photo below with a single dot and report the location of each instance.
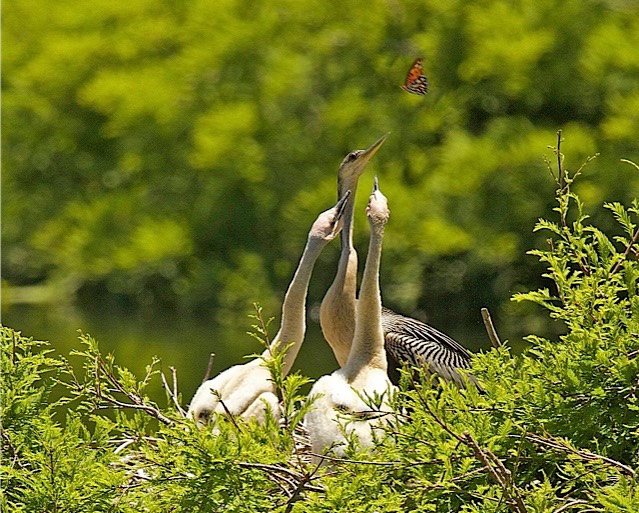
(352, 156)
(204, 416)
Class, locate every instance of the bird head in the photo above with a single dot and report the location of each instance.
(329, 223)
(377, 210)
(355, 163)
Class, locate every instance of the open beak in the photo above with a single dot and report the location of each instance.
(340, 207)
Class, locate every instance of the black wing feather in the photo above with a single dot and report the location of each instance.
(411, 341)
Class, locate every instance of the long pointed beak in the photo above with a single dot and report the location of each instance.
(367, 155)
(341, 205)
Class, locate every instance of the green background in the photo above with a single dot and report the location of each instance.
(163, 161)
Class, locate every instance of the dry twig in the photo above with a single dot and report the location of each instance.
(173, 391)
(490, 328)
(498, 472)
(209, 368)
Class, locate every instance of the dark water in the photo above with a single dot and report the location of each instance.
(182, 343)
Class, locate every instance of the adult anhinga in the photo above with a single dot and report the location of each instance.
(247, 390)
(339, 410)
(407, 340)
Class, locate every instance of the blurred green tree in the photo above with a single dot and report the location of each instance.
(172, 153)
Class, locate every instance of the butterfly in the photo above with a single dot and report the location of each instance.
(416, 81)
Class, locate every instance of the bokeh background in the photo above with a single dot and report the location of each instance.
(163, 160)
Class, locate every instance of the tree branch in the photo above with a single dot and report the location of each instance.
(173, 392)
(490, 328)
(498, 472)
(632, 242)
(557, 444)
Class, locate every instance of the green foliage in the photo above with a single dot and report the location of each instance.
(553, 429)
(175, 153)
(47, 466)
(596, 298)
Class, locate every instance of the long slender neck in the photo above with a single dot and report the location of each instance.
(337, 312)
(345, 281)
(346, 276)
(293, 324)
(349, 210)
(368, 343)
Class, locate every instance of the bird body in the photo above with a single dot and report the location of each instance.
(244, 391)
(247, 390)
(341, 412)
(342, 400)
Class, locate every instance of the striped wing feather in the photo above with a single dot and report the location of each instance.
(416, 343)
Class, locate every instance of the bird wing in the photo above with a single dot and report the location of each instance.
(411, 341)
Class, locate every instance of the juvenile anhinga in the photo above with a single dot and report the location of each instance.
(247, 390)
(340, 410)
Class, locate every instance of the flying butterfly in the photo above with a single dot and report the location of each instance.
(416, 81)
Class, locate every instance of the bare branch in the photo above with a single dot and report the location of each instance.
(490, 328)
(498, 472)
(103, 396)
(630, 162)
(377, 463)
(560, 166)
(173, 392)
(570, 504)
(151, 410)
(439, 421)
(228, 413)
(632, 242)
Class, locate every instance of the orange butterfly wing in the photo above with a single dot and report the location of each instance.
(416, 82)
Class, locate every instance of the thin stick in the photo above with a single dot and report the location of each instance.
(154, 412)
(434, 416)
(569, 505)
(14, 342)
(498, 472)
(490, 328)
(560, 169)
(229, 415)
(209, 367)
(555, 443)
(173, 392)
(303, 485)
(630, 162)
(632, 242)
